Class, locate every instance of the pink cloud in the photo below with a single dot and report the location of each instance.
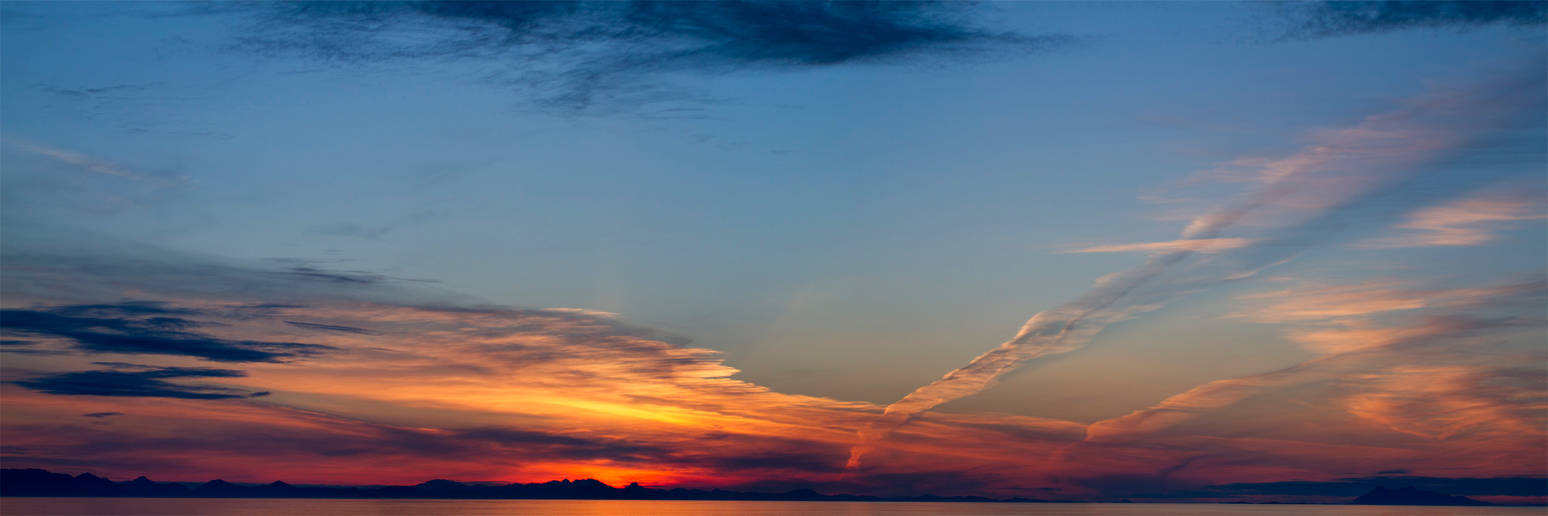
(1470, 221)
(1198, 245)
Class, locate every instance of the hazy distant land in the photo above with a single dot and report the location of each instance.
(43, 483)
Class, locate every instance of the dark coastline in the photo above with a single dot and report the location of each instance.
(42, 483)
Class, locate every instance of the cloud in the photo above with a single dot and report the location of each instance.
(479, 392)
(1417, 376)
(330, 327)
(1198, 245)
(90, 164)
(1315, 185)
(1335, 302)
(364, 231)
(100, 415)
(145, 328)
(465, 391)
(98, 91)
(353, 230)
(148, 382)
(1325, 19)
(1442, 402)
(1355, 486)
(1469, 221)
(356, 277)
(49, 182)
(580, 54)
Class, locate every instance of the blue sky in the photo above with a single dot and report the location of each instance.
(848, 230)
(932, 192)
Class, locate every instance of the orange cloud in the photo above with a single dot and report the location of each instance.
(1432, 376)
(1469, 221)
(1332, 302)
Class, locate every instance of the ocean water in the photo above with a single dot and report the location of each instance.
(267, 507)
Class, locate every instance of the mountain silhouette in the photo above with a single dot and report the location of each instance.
(38, 482)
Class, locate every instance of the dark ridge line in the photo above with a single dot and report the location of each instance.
(42, 483)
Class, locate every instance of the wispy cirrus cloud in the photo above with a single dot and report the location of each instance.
(1469, 221)
(1198, 245)
(1336, 170)
(90, 164)
(1423, 376)
(48, 181)
(1313, 303)
(1441, 402)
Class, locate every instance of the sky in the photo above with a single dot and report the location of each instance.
(1079, 251)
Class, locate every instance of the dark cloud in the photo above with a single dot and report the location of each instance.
(560, 445)
(126, 308)
(140, 328)
(929, 482)
(99, 91)
(330, 327)
(146, 382)
(1157, 483)
(368, 231)
(577, 54)
(48, 262)
(1499, 486)
(102, 414)
(355, 277)
(27, 347)
(1345, 18)
(353, 230)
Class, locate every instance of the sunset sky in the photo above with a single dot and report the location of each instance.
(1200, 251)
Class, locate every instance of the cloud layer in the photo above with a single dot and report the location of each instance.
(1324, 19)
(581, 56)
(1315, 186)
(144, 328)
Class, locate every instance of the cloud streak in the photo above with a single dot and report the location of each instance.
(1470, 221)
(145, 328)
(1197, 245)
(1338, 302)
(1336, 170)
(90, 164)
(1410, 376)
(146, 382)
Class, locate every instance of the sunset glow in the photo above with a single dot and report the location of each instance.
(1060, 251)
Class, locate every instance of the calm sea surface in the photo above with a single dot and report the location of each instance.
(190, 506)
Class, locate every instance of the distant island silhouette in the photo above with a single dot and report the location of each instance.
(38, 482)
(43, 483)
